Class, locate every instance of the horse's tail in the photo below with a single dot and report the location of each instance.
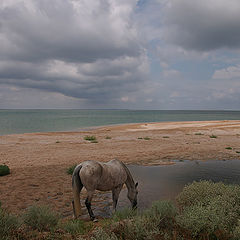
(76, 188)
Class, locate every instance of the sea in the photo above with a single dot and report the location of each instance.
(54, 120)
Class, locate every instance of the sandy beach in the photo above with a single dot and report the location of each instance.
(38, 161)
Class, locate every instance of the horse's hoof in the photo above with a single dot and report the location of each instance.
(95, 220)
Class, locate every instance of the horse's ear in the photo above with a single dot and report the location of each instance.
(136, 184)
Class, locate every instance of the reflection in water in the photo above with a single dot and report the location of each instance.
(166, 181)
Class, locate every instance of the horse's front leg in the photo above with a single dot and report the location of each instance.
(115, 194)
(88, 204)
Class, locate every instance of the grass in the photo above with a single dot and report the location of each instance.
(213, 136)
(94, 141)
(90, 138)
(41, 218)
(199, 134)
(108, 137)
(4, 170)
(71, 169)
(228, 148)
(146, 138)
(165, 136)
(8, 224)
(140, 138)
(76, 226)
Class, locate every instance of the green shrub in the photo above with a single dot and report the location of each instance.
(76, 227)
(90, 138)
(208, 208)
(146, 138)
(41, 218)
(4, 170)
(199, 134)
(124, 214)
(213, 136)
(161, 214)
(100, 234)
(228, 148)
(71, 169)
(8, 224)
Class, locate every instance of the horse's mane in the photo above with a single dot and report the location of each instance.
(129, 176)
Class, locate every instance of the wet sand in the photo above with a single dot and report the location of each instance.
(38, 161)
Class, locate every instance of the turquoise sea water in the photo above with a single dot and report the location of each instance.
(25, 121)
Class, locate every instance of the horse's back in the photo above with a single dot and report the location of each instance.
(102, 176)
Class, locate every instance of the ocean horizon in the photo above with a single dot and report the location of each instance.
(15, 121)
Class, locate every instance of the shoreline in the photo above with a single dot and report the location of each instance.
(38, 161)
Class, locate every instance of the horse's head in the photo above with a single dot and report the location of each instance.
(132, 195)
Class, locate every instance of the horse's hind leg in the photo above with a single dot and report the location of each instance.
(115, 194)
(88, 204)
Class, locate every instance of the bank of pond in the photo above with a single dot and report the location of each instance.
(202, 210)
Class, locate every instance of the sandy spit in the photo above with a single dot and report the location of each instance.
(38, 161)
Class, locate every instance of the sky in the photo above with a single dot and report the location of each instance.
(128, 54)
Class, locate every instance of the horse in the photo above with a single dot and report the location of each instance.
(101, 176)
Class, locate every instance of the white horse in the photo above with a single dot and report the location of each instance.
(95, 175)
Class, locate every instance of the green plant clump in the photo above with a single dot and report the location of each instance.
(147, 138)
(213, 136)
(41, 218)
(8, 225)
(228, 148)
(76, 227)
(71, 169)
(4, 170)
(207, 209)
(90, 138)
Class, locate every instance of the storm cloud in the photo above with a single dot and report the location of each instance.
(83, 49)
(203, 25)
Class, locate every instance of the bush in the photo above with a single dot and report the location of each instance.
(71, 169)
(100, 234)
(90, 138)
(76, 227)
(41, 218)
(8, 224)
(208, 208)
(124, 214)
(161, 212)
(4, 170)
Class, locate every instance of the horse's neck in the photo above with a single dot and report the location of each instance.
(129, 182)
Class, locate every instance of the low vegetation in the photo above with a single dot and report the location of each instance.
(4, 170)
(199, 134)
(228, 148)
(213, 136)
(41, 218)
(203, 210)
(71, 169)
(90, 138)
(146, 138)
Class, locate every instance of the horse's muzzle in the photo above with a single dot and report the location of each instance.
(134, 205)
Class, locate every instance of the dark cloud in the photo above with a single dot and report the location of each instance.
(203, 25)
(83, 49)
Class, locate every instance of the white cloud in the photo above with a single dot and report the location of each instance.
(232, 72)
